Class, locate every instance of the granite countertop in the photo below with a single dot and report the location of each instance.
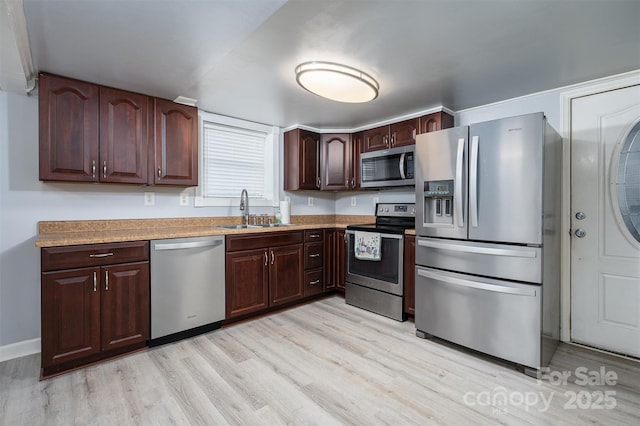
(68, 233)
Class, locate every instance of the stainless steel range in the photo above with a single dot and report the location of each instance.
(375, 257)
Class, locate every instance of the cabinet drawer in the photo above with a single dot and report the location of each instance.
(261, 241)
(313, 282)
(54, 258)
(313, 235)
(313, 255)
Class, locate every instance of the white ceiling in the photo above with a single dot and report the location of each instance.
(238, 57)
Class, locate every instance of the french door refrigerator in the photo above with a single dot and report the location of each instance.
(488, 238)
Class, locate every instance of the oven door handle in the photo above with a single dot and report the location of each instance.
(393, 236)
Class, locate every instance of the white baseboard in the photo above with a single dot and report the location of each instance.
(18, 349)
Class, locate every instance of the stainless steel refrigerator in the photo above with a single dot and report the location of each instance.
(488, 238)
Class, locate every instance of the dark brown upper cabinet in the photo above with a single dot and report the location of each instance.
(69, 132)
(92, 133)
(301, 160)
(435, 121)
(176, 144)
(124, 136)
(394, 135)
(335, 162)
(357, 143)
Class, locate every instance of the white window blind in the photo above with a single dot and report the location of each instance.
(234, 159)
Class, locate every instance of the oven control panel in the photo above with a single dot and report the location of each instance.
(396, 209)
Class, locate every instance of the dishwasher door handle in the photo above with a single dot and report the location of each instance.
(191, 245)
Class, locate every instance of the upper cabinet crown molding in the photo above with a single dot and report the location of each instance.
(92, 133)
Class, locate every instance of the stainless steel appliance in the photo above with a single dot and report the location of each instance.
(378, 285)
(187, 287)
(488, 227)
(387, 168)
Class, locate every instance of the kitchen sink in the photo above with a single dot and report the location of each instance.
(272, 225)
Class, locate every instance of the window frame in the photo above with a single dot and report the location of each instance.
(271, 163)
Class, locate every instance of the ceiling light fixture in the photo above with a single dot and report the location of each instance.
(337, 82)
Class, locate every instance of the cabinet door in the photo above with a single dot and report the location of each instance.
(329, 259)
(357, 143)
(403, 133)
(309, 160)
(125, 305)
(124, 138)
(70, 315)
(285, 276)
(336, 162)
(247, 282)
(176, 144)
(376, 139)
(435, 121)
(68, 111)
(409, 274)
(340, 260)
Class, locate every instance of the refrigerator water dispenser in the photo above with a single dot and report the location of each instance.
(438, 203)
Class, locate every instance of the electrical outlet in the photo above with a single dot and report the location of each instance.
(184, 198)
(376, 200)
(310, 201)
(353, 201)
(287, 198)
(149, 198)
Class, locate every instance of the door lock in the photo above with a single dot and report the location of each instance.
(580, 233)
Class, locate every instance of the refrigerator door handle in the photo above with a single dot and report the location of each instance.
(473, 183)
(402, 174)
(480, 250)
(475, 284)
(458, 184)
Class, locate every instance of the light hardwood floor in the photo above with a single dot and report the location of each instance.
(322, 363)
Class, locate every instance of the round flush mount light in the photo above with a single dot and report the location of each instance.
(337, 82)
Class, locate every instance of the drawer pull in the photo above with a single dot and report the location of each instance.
(101, 255)
(314, 282)
(314, 235)
(315, 255)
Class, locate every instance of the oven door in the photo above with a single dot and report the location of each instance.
(384, 274)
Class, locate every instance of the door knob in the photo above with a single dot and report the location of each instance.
(580, 233)
(581, 216)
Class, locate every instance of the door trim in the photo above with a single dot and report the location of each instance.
(592, 87)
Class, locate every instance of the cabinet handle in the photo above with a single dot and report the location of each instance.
(318, 182)
(315, 255)
(106, 280)
(314, 282)
(385, 140)
(101, 255)
(393, 139)
(93, 169)
(95, 281)
(346, 183)
(266, 259)
(104, 169)
(314, 236)
(353, 183)
(159, 172)
(272, 257)
(345, 238)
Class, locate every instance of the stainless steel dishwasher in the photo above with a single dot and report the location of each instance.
(187, 287)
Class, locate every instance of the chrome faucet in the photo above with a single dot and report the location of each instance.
(244, 205)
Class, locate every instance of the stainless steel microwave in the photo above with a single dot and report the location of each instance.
(387, 168)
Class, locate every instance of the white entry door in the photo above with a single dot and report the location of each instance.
(605, 222)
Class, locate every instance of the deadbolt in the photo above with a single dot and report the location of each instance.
(581, 216)
(580, 233)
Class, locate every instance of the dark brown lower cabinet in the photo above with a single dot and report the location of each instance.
(335, 260)
(340, 260)
(96, 310)
(258, 276)
(409, 274)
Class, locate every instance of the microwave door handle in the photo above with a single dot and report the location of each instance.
(402, 174)
(458, 185)
(473, 183)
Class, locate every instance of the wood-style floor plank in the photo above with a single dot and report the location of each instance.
(324, 363)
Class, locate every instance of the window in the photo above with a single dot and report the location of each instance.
(237, 155)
